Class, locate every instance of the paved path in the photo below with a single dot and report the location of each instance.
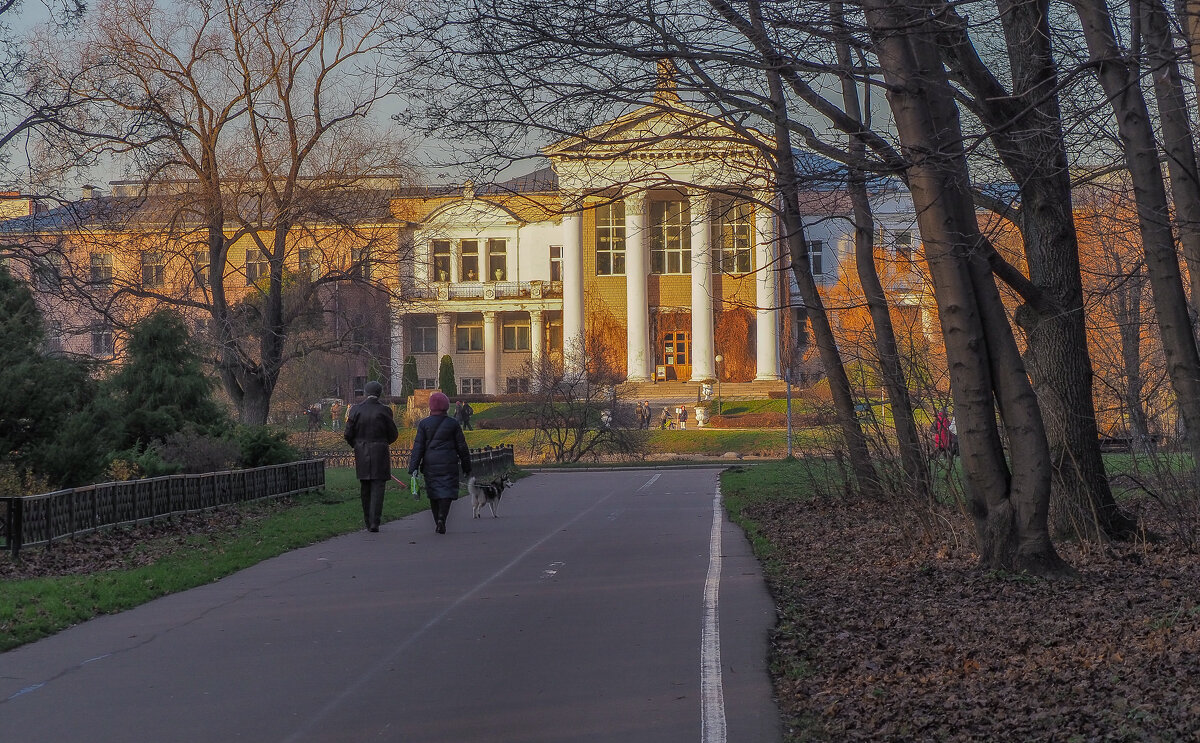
(614, 607)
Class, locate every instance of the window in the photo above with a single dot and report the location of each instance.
(102, 341)
(610, 239)
(200, 265)
(516, 385)
(556, 263)
(102, 268)
(54, 338)
(154, 269)
(306, 264)
(733, 241)
(47, 273)
(554, 335)
(470, 260)
(670, 238)
(904, 244)
(360, 263)
(427, 383)
(470, 386)
(441, 260)
(256, 266)
(816, 257)
(424, 339)
(516, 336)
(469, 336)
(359, 384)
(497, 260)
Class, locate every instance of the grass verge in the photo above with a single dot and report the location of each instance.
(750, 494)
(37, 607)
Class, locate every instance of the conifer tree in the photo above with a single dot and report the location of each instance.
(446, 381)
(37, 391)
(409, 380)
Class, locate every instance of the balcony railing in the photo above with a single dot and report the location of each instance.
(479, 290)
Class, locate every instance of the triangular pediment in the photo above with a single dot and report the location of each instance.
(471, 211)
(676, 131)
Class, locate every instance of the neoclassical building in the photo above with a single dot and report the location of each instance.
(655, 227)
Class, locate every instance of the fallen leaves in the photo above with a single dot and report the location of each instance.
(904, 642)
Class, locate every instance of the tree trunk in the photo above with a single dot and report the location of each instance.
(1120, 84)
(1026, 128)
(865, 476)
(1177, 135)
(907, 436)
(1129, 317)
(1009, 507)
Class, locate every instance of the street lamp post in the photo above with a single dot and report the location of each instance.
(719, 359)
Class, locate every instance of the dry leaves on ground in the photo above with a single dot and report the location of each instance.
(882, 641)
(125, 547)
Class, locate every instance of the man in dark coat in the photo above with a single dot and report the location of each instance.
(370, 427)
(439, 452)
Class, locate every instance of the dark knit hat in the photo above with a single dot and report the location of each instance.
(373, 389)
(438, 402)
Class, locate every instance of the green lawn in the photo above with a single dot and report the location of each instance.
(31, 609)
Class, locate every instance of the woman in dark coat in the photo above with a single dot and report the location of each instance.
(439, 450)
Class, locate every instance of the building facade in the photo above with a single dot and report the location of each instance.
(656, 226)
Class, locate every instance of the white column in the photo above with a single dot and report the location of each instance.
(422, 251)
(767, 297)
(445, 337)
(637, 306)
(491, 355)
(702, 289)
(572, 269)
(537, 353)
(398, 351)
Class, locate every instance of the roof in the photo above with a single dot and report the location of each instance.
(354, 206)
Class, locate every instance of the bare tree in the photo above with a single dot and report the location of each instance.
(1025, 126)
(1119, 78)
(1010, 505)
(580, 416)
(248, 127)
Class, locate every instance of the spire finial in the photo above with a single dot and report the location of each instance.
(664, 87)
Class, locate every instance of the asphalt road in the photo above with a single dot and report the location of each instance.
(601, 606)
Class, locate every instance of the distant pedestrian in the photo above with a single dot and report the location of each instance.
(664, 419)
(438, 452)
(370, 428)
(644, 414)
(683, 416)
(335, 414)
(467, 411)
(945, 438)
(314, 417)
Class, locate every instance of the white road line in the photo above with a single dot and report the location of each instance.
(712, 691)
(650, 482)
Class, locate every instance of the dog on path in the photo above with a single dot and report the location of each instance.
(486, 493)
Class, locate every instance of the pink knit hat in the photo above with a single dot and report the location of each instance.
(438, 402)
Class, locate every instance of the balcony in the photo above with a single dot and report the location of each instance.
(479, 290)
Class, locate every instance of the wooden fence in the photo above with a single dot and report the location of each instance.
(40, 519)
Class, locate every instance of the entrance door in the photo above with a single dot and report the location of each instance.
(676, 354)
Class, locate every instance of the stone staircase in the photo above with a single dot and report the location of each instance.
(686, 391)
